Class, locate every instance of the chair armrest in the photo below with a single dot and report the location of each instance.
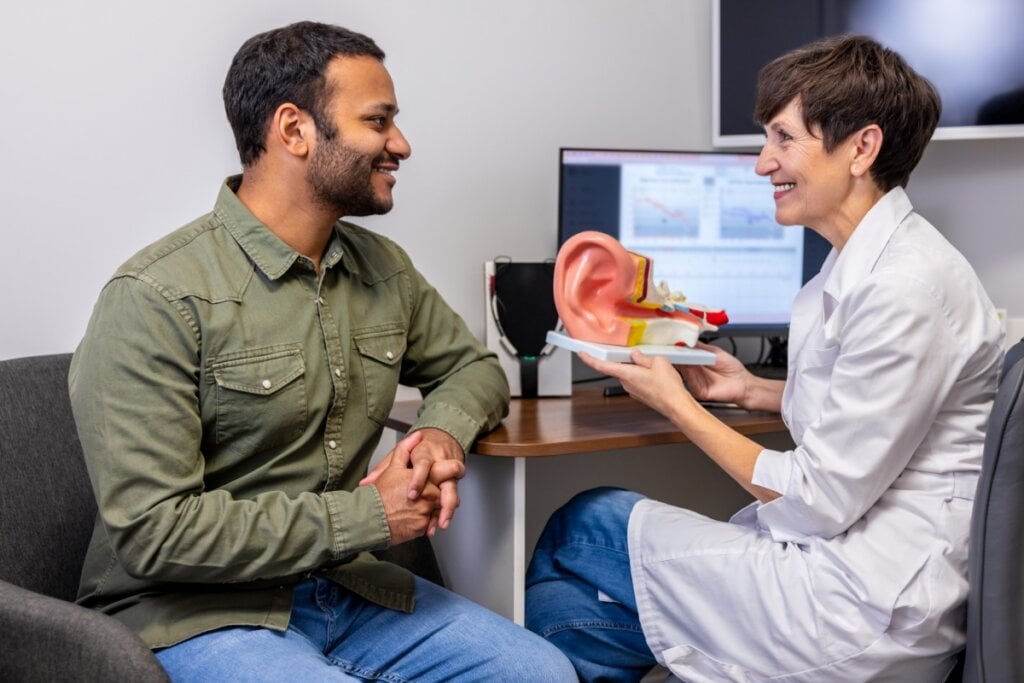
(46, 639)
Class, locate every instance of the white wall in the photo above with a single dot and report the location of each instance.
(113, 134)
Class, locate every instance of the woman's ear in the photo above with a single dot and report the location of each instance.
(867, 143)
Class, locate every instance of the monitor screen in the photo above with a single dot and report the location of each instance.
(972, 52)
(706, 219)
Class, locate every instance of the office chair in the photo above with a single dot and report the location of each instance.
(995, 604)
(47, 511)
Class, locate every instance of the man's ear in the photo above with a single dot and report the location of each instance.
(292, 130)
(867, 143)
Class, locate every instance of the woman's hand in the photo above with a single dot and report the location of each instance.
(652, 380)
(656, 383)
(726, 381)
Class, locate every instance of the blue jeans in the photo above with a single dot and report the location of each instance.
(335, 635)
(583, 551)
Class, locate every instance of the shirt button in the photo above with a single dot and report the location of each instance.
(389, 355)
(332, 444)
(265, 384)
(337, 372)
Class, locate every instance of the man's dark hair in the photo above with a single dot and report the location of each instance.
(287, 64)
(846, 83)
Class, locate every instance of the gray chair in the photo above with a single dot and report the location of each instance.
(995, 604)
(46, 517)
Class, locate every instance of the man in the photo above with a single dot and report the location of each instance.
(233, 383)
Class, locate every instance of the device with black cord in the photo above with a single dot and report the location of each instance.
(520, 313)
(707, 222)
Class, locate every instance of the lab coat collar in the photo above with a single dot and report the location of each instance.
(865, 246)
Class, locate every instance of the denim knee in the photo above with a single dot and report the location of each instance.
(595, 508)
(602, 498)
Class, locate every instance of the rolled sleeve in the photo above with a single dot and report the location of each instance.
(885, 388)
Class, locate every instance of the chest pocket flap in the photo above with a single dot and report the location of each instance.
(262, 374)
(383, 346)
(260, 397)
(380, 355)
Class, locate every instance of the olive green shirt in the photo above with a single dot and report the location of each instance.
(229, 398)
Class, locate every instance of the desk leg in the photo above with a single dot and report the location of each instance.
(483, 553)
(519, 543)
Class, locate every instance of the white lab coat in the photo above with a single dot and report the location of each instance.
(857, 572)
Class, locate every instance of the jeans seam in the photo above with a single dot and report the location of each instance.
(351, 668)
(585, 544)
(590, 623)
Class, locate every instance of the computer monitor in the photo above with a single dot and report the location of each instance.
(705, 218)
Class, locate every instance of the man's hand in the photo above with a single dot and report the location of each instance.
(438, 461)
(408, 518)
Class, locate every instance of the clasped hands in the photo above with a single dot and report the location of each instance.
(418, 483)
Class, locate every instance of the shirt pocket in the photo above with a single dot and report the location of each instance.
(811, 382)
(260, 397)
(381, 349)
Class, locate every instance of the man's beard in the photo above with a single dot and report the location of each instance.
(341, 178)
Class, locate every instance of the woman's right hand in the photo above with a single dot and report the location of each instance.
(726, 381)
(729, 381)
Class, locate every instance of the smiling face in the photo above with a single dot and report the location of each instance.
(811, 184)
(352, 167)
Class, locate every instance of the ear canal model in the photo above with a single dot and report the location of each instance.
(604, 293)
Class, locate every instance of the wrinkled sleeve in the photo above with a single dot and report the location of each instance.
(135, 397)
(464, 388)
(897, 359)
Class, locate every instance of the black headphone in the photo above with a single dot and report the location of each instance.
(522, 303)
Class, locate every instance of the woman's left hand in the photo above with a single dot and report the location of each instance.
(652, 380)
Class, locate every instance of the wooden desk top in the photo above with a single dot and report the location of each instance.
(585, 422)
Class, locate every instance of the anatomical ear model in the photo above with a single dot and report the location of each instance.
(605, 294)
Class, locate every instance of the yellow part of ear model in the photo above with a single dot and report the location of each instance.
(636, 332)
(640, 280)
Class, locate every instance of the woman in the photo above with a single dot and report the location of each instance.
(851, 563)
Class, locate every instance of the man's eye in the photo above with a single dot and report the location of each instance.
(379, 121)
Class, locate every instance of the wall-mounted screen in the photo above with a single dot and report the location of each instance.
(972, 52)
(705, 218)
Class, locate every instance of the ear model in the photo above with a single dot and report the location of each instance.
(604, 293)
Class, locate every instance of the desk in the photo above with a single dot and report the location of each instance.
(484, 552)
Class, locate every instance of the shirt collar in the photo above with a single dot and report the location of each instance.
(865, 245)
(263, 247)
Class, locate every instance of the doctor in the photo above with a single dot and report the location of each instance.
(851, 563)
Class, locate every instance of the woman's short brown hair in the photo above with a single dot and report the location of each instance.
(847, 82)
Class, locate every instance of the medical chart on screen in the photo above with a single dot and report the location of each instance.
(711, 232)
